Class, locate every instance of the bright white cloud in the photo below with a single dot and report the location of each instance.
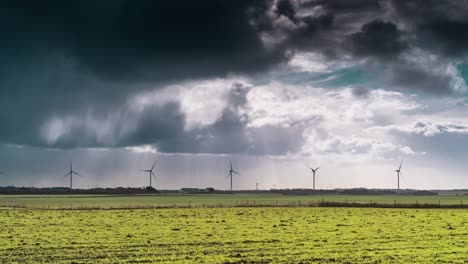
(316, 62)
(201, 101)
(427, 128)
(55, 128)
(143, 149)
(334, 124)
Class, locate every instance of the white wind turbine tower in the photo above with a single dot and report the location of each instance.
(398, 171)
(231, 171)
(70, 173)
(151, 173)
(313, 175)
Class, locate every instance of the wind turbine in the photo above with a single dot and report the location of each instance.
(71, 172)
(231, 171)
(313, 174)
(398, 171)
(151, 174)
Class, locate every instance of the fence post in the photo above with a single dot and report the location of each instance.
(395, 203)
(299, 202)
(276, 202)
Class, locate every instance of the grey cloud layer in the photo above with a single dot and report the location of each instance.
(163, 125)
(169, 40)
(87, 58)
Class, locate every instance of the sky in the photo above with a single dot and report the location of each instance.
(277, 86)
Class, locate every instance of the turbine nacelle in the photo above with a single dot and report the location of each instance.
(313, 174)
(231, 172)
(151, 173)
(70, 173)
(398, 171)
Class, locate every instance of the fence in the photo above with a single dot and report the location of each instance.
(244, 204)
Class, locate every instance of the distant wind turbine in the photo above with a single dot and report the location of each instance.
(70, 173)
(231, 171)
(398, 171)
(313, 175)
(151, 173)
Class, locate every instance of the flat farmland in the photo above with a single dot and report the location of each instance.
(212, 200)
(235, 235)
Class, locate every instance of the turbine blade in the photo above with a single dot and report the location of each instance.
(317, 168)
(76, 173)
(154, 164)
(230, 162)
(401, 163)
(236, 172)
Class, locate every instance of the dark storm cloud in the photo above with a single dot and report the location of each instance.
(451, 38)
(139, 39)
(376, 38)
(169, 40)
(439, 24)
(315, 25)
(62, 58)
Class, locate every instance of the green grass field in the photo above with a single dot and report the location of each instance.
(235, 235)
(149, 201)
(210, 229)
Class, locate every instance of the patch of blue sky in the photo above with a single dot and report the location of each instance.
(463, 71)
(339, 78)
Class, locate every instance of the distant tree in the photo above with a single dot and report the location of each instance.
(151, 189)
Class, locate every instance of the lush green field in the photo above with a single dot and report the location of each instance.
(235, 235)
(207, 200)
